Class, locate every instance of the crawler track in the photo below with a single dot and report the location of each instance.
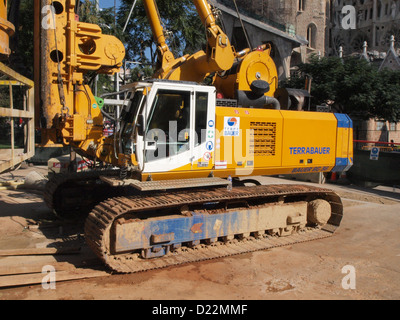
(70, 195)
(99, 224)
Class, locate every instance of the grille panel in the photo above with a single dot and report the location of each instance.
(263, 138)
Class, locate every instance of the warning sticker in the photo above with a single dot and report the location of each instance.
(221, 165)
(374, 154)
(231, 126)
(207, 156)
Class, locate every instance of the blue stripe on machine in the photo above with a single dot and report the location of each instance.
(177, 229)
(343, 120)
(351, 122)
(341, 165)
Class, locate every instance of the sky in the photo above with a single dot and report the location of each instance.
(108, 3)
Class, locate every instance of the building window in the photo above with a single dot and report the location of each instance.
(201, 117)
(379, 13)
(392, 126)
(312, 36)
(301, 5)
(380, 125)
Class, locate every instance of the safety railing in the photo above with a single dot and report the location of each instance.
(17, 127)
(382, 146)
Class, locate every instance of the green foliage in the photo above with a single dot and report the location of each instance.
(352, 86)
(103, 18)
(178, 17)
(388, 95)
(21, 59)
(141, 72)
(105, 84)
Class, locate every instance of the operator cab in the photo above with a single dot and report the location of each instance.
(169, 125)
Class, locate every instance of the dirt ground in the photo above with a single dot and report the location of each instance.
(368, 241)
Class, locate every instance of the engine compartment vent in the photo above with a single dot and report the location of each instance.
(226, 103)
(263, 138)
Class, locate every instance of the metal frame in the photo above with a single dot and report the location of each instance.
(16, 156)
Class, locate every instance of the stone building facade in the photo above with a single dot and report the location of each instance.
(305, 18)
(295, 28)
(320, 22)
(376, 22)
(376, 130)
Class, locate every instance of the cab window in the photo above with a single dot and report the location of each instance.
(169, 124)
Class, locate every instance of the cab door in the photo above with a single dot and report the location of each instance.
(168, 140)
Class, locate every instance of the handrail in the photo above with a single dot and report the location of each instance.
(377, 142)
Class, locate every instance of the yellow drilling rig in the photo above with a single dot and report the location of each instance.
(178, 187)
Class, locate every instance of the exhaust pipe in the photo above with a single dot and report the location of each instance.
(248, 99)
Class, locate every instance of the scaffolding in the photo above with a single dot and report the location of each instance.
(17, 127)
